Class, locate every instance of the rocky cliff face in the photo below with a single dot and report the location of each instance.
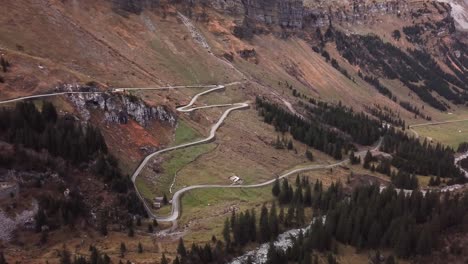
(285, 13)
(118, 108)
(293, 14)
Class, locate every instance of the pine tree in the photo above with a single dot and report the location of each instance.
(265, 232)
(276, 188)
(123, 249)
(367, 160)
(176, 260)
(150, 228)
(424, 246)
(281, 216)
(181, 248)
(164, 259)
(253, 226)
(165, 201)
(226, 232)
(308, 196)
(49, 112)
(273, 221)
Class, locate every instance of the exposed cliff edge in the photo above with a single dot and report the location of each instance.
(118, 108)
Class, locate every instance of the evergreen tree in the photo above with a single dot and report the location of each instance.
(164, 259)
(273, 221)
(226, 232)
(265, 232)
(367, 160)
(181, 248)
(276, 188)
(123, 249)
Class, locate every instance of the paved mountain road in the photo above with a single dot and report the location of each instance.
(24, 98)
(175, 213)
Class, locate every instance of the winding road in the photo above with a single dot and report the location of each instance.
(176, 199)
(42, 96)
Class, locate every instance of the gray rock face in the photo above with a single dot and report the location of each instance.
(119, 108)
(285, 13)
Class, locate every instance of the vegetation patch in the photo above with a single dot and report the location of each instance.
(184, 133)
(451, 134)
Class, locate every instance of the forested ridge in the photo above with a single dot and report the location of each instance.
(410, 155)
(373, 219)
(308, 132)
(366, 218)
(414, 66)
(314, 133)
(79, 146)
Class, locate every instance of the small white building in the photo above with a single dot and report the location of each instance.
(234, 179)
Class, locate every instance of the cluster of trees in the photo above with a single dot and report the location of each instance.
(396, 34)
(405, 180)
(95, 256)
(371, 53)
(311, 133)
(410, 155)
(60, 136)
(353, 159)
(462, 147)
(363, 130)
(199, 254)
(441, 77)
(63, 137)
(304, 194)
(386, 114)
(435, 181)
(410, 224)
(56, 211)
(372, 219)
(380, 87)
(413, 33)
(413, 109)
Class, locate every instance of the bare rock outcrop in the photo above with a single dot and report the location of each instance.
(118, 108)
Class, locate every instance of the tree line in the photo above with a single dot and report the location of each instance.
(363, 129)
(310, 133)
(63, 137)
(371, 219)
(313, 133)
(381, 58)
(412, 156)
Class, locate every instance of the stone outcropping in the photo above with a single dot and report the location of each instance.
(118, 108)
(285, 13)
